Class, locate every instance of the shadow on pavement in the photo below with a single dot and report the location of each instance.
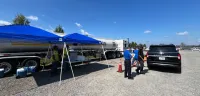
(9, 75)
(145, 71)
(134, 74)
(165, 69)
(43, 78)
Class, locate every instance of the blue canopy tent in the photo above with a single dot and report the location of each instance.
(28, 33)
(79, 39)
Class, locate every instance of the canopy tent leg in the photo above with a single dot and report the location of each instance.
(62, 64)
(70, 62)
(99, 55)
(105, 56)
(46, 56)
(82, 52)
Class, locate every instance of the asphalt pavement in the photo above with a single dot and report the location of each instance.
(97, 80)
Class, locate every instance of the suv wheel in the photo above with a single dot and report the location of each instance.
(179, 69)
(149, 66)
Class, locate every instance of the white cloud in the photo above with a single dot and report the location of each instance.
(2, 22)
(147, 31)
(78, 25)
(34, 18)
(182, 33)
(84, 32)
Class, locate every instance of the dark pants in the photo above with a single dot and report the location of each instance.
(140, 66)
(54, 67)
(127, 64)
(65, 64)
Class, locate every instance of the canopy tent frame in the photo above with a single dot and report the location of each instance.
(82, 52)
(79, 39)
(65, 48)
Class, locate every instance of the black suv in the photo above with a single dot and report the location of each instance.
(164, 55)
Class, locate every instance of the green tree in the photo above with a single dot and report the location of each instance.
(144, 45)
(59, 29)
(130, 45)
(133, 44)
(21, 20)
(140, 45)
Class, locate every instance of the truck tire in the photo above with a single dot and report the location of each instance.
(118, 55)
(113, 55)
(32, 62)
(8, 66)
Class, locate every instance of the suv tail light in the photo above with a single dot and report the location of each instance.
(6, 54)
(179, 56)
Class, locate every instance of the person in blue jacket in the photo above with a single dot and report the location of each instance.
(135, 52)
(127, 63)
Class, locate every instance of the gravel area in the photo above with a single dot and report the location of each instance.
(97, 80)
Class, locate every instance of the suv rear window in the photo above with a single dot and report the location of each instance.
(163, 49)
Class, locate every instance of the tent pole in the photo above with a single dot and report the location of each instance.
(82, 52)
(70, 62)
(105, 56)
(62, 64)
(100, 55)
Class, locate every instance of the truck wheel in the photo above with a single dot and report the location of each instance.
(113, 55)
(118, 55)
(8, 67)
(32, 62)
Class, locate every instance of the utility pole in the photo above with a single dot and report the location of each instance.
(128, 42)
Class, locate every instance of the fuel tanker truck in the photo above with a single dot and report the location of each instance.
(112, 48)
(14, 54)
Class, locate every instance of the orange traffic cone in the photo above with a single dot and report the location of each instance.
(120, 67)
(145, 58)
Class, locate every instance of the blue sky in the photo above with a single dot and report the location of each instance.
(152, 21)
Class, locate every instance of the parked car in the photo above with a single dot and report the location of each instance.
(163, 55)
(195, 49)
